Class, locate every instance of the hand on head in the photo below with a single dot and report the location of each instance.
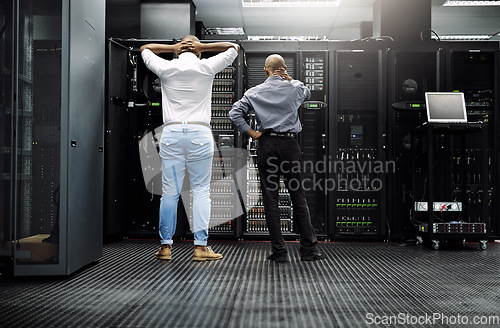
(281, 72)
(189, 44)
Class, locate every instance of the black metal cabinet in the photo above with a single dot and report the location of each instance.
(51, 147)
(357, 205)
(412, 71)
(313, 68)
(307, 61)
(447, 209)
(472, 68)
(374, 96)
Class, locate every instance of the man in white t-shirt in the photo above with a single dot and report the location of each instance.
(186, 141)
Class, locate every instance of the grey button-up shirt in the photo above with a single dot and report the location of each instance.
(276, 105)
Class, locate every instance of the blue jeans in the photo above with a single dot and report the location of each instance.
(186, 146)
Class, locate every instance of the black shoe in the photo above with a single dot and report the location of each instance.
(277, 258)
(313, 257)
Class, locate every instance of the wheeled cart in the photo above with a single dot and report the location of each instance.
(453, 232)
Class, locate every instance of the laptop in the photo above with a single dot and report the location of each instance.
(445, 107)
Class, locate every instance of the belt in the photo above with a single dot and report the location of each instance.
(282, 134)
(199, 123)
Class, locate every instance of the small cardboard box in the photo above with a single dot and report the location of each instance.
(34, 249)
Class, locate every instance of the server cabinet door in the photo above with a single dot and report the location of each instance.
(411, 73)
(116, 148)
(85, 132)
(36, 143)
(472, 68)
(358, 165)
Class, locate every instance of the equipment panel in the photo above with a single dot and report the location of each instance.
(358, 168)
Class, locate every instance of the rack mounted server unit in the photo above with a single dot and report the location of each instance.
(357, 142)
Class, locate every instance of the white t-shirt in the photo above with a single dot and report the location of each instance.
(186, 83)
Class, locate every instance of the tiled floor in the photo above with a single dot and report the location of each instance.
(357, 285)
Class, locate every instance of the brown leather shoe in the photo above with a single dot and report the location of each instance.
(200, 254)
(164, 253)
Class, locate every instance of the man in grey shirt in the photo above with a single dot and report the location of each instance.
(276, 105)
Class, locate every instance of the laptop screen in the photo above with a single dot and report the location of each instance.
(445, 107)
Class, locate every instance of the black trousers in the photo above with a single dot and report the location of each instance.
(280, 156)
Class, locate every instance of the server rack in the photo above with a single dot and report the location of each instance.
(472, 68)
(133, 114)
(448, 213)
(308, 62)
(116, 150)
(6, 82)
(313, 68)
(469, 67)
(460, 200)
(142, 103)
(255, 56)
(358, 166)
(411, 72)
(227, 208)
(51, 145)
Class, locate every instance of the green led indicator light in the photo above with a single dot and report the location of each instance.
(313, 105)
(155, 104)
(415, 105)
(456, 90)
